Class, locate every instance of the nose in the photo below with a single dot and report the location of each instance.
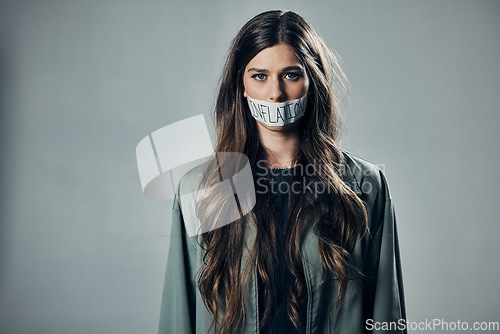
(276, 91)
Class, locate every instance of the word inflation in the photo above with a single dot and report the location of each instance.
(278, 114)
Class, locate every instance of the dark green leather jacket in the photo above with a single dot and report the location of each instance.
(373, 299)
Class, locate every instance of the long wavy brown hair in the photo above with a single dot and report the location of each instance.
(338, 212)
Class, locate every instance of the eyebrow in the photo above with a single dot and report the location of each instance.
(256, 70)
(289, 68)
(292, 68)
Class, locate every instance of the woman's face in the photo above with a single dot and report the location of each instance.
(275, 75)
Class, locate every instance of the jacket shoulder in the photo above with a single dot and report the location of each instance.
(367, 177)
(359, 167)
(189, 183)
(191, 180)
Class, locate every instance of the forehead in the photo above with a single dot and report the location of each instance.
(275, 57)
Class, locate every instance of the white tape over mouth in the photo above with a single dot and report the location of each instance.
(278, 114)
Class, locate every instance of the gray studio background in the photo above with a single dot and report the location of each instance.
(82, 250)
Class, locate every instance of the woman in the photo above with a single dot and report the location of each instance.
(317, 251)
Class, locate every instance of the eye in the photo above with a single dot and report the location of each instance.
(259, 76)
(292, 76)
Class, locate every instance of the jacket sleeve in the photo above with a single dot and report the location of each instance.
(177, 314)
(384, 303)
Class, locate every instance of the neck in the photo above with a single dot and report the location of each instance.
(281, 144)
